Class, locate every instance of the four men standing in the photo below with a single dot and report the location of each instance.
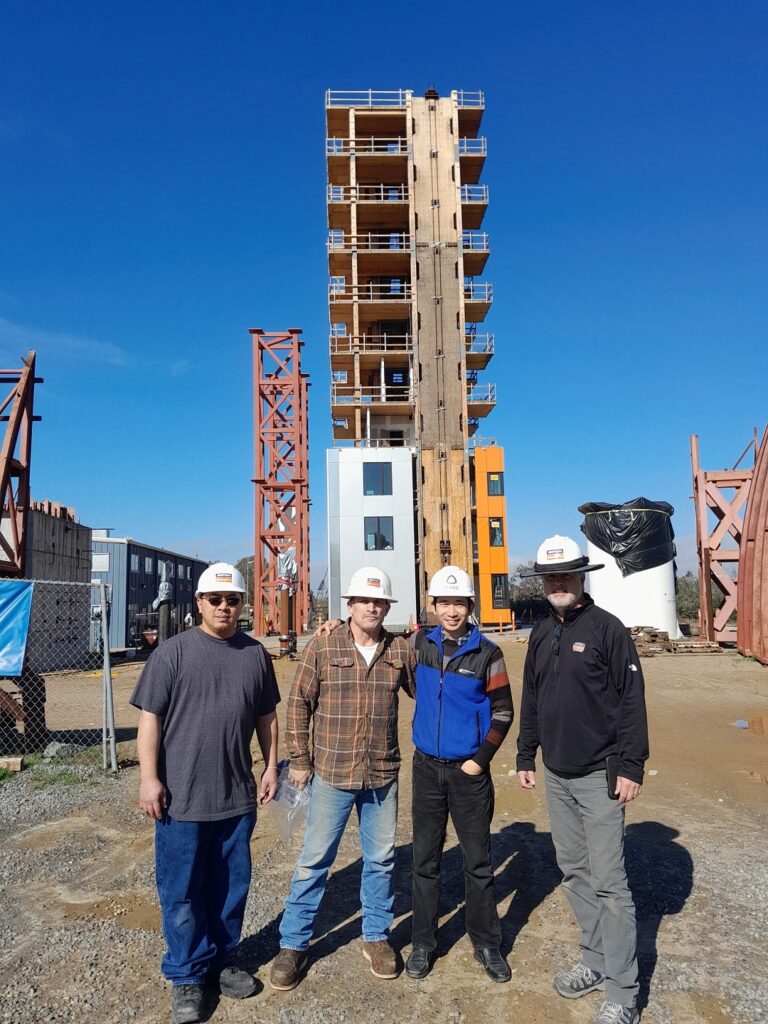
(204, 693)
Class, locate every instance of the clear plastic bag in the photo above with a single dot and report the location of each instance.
(289, 804)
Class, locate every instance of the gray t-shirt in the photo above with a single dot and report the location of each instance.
(209, 693)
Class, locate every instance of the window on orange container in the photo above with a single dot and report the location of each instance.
(495, 484)
(496, 533)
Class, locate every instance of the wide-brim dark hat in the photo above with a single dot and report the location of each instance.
(553, 557)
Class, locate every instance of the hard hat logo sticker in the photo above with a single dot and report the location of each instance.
(554, 554)
(373, 582)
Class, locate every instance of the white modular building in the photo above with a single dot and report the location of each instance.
(371, 512)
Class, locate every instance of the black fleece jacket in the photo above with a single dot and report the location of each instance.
(583, 696)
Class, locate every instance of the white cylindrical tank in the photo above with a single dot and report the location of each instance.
(645, 598)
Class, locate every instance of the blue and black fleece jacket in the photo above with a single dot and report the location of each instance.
(463, 698)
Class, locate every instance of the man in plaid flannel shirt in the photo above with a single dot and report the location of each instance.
(346, 687)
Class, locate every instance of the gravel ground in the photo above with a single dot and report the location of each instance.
(80, 938)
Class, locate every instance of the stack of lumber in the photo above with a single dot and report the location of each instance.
(650, 641)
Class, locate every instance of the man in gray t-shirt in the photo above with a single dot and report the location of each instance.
(202, 695)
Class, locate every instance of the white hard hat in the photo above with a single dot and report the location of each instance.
(223, 577)
(370, 582)
(451, 581)
(560, 555)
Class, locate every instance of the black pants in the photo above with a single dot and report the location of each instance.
(440, 788)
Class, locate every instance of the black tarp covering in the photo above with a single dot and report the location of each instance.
(638, 533)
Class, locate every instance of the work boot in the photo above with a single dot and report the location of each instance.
(187, 1004)
(232, 982)
(615, 1013)
(286, 969)
(578, 981)
(419, 963)
(494, 964)
(384, 961)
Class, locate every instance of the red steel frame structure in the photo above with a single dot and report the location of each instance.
(16, 410)
(710, 492)
(281, 437)
(752, 627)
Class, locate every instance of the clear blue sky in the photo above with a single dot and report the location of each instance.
(162, 190)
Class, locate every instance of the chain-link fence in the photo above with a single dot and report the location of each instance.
(61, 704)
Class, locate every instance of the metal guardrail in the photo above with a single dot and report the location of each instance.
(472, 147)
(343, 344)
(370, 241)
(478, 291)
(479, 343)
(368, 193)
(366, 146)
(474, 193)
(475, 241)
(369, 99)
(485, 393)
(348, 394)
(371, 442)
(470, 98)
(481, 442)
(374, 291)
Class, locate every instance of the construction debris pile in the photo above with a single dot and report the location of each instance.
(650, 641)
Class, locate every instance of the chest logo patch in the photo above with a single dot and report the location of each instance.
(579, 647)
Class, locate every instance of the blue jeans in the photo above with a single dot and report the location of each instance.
(329, 811)
(203, 875)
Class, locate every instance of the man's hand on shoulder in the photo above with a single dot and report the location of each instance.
(328, 627)
(268, 788)
(627, 790)
(527, 779)
(152, 798)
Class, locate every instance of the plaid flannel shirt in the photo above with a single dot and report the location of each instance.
(352, 708)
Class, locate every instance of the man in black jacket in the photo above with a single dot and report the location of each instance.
(584, 705)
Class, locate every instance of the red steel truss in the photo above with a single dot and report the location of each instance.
(715, 549)
(752, 631)
(16, 411)
(281, 560)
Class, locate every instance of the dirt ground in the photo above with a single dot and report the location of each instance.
(81, 934)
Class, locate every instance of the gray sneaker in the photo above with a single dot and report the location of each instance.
(187, 1004)
(578, 981)
(615, 1013)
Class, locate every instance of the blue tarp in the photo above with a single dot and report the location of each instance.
(15, 605)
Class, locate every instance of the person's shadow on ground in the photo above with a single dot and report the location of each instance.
(524, 865)
(660, 873)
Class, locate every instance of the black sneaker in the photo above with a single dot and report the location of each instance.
(232, 982)
(419, 963)
(187, 1004)
(494, 964)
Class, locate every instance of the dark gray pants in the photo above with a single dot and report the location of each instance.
(588, 833)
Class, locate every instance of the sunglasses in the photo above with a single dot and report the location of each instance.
(557, 632)
(232, 600)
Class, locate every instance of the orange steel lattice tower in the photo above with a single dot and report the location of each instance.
(724, 493)
(16, 410)
(281, 553)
